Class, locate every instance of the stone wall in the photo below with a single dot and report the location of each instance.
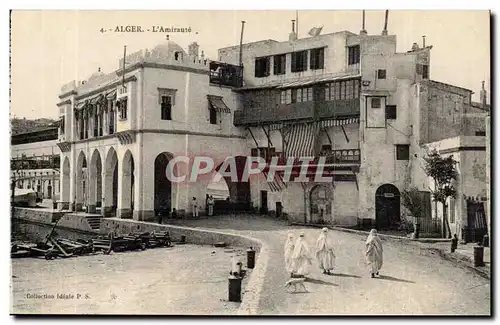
(37, 215)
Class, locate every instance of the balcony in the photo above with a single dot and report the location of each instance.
(224, 74)
(296, 111)
(333, 157)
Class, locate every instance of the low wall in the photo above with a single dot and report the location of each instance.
(37, 215)
(74, 221)
(251, 294)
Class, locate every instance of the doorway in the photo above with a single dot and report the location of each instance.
(263, 202)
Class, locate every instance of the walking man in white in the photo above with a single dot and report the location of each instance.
(324, 252)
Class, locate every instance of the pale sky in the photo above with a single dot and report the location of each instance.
(52, 48)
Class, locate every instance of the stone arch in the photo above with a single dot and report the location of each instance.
(239, 191)
(387, 207)
(110, 180)
(95, 182)
(162, 185)
(321, 204)
(126, 198)
(81, 181)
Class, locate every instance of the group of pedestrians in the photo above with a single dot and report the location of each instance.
(298, 258)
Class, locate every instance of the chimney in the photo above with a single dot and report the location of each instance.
(363, 30)
(423, 41)
(293, 36)
(384, 32)
(193, 50)
(241, 43)
(483, 96)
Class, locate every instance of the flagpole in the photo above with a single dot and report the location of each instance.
(124, 56)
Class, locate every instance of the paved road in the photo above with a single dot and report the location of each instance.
(412, 282)
(185, 279)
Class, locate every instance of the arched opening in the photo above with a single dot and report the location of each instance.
(239, 190)
(127, 191)
(219, 190)
(95, 182)
(163, 186)
(65, 181)
(110, 188)
(320, 204)
(387, 207)
(81, 182)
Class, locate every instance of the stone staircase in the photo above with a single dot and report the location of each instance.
(94, 221)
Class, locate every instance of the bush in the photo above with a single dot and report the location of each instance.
(406, 225)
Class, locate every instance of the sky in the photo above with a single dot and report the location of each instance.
(52, 48)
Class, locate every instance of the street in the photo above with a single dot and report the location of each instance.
(411, 282)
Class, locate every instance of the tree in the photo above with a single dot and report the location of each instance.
(443, 172)
(412, 200)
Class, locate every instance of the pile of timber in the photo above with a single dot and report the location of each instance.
(52, 248)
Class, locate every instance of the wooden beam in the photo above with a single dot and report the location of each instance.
(328, 136)
(345, 134)
(267, 135)
(256, 143)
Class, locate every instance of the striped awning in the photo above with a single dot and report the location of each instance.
(300, 140)
(338, 122)
(216, 103)
(276, 184)
(274, 127)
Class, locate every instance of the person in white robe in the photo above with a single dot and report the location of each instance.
(324, 252)
(289, 246)
(374, 253)
(301, 257)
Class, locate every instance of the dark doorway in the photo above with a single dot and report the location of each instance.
(476, 222)
(279, 209)
(163, 186)
(263, 202)
(114, 205)
(239, 190)
(387, 207)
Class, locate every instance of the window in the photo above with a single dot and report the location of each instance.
(353, 54)
(279, 64)
(390, 112)
(254, 152)
(319, 92)
(101, 120)
(262, 67)
(317, 59)
(349, 89)
(294, 95)
(283, 97)
(123, 109)
(213, 116)
(381, 74)
(166, 107)
(425, 71)
(112, 121)
(299, 61)
(376, 102)
(402, 152)
(480, 133)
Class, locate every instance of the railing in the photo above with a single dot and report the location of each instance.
(344, 156)
(226, 74)
(297, 111)
(429, 225)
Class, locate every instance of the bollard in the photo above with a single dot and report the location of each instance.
(478, 256)
(234, 288)
(454, 243)
(250, 258)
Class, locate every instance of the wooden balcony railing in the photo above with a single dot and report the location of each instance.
(343, 156)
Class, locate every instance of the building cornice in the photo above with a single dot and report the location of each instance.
(66, 94)
(67, 101)
(156, 65)
(106, 87)
(462, 148)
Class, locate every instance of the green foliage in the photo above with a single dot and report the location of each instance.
(412, 200)
(443, 172)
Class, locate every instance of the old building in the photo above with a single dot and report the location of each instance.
(351, 98)
(126, 125)
(35, 162)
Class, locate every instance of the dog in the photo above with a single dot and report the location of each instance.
(296, 282)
